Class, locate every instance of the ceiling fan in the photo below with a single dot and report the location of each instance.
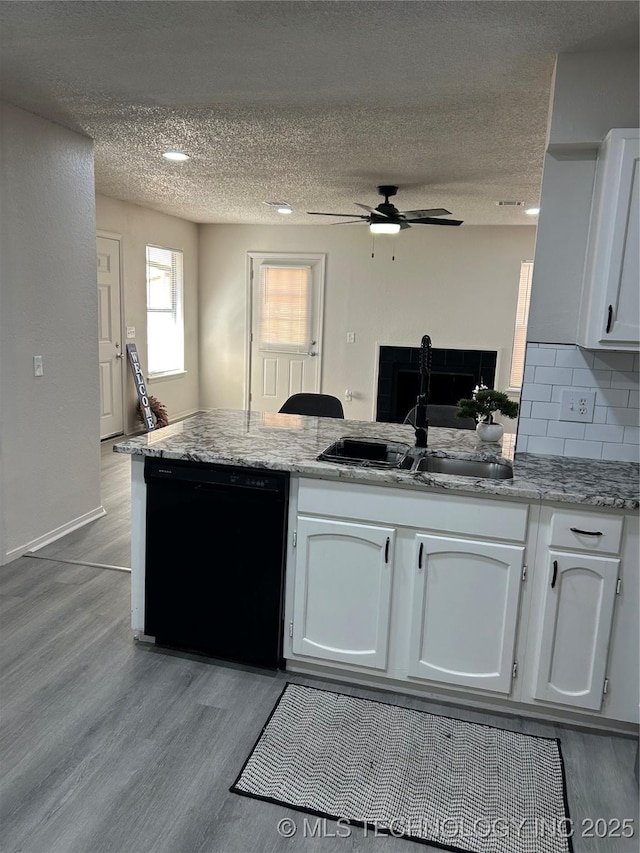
(387, 219)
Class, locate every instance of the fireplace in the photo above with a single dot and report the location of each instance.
(454, 374)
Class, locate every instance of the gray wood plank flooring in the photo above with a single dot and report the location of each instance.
(108, 746)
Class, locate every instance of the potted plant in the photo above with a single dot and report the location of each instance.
(482, 405)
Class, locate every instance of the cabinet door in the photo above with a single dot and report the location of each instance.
(342, 596)
(575, 628)
(465, 612)
(622, 306)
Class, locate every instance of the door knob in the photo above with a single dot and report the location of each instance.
(119, 355)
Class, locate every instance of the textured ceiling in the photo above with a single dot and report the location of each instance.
(314, 103)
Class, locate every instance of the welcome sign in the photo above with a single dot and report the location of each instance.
(141, 387)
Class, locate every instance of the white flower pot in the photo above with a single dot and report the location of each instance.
(489, 432)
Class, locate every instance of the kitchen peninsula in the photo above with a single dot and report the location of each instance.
(516, 594)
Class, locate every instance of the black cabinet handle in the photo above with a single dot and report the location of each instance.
(609, 318)
(420, 555)
(386, 551)
(586, 532)
(555, 574)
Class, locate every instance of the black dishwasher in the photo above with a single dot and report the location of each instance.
(215, 551)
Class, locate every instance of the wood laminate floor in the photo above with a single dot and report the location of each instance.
(108, 746)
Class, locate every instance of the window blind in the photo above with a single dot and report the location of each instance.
(520, 332)
(285, 309)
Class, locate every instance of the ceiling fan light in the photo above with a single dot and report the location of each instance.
(384, 227)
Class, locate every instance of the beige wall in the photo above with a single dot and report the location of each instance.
(139, 226)
(458, 285)
(48, 307)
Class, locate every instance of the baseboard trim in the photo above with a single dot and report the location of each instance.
(56, 533)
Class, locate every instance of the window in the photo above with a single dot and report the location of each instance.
(285, 308)
(165, 325)
(522, 317)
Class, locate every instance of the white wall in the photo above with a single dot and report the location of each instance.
(139, 226)
(48, 306)
(458, 285)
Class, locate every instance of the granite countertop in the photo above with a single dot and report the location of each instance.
(292, 443)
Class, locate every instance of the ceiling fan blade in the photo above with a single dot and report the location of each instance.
(373, 210)
(433, 211)
(429, 220)
(352, 221)
(404, 225)
(348, 215)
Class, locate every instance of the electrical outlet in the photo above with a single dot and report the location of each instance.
(351, 337)
(577, 405)
(38, 366)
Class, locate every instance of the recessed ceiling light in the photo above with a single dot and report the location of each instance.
(532, 211)
(284, 208)
(384, 227)
(177, 156)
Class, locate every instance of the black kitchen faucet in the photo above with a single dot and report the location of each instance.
(422, 424)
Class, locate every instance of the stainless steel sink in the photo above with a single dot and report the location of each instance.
(464, 467)
(366, 452)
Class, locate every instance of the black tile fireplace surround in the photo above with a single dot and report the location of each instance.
(455, 373)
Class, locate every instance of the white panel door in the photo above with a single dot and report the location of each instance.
(287, 360)
(465, 611)
(342, 594)
(575, 629)
(110, 349)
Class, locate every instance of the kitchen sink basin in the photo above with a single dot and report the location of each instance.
(366, 452)
(464, 467)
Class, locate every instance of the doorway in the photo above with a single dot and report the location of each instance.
(111, 353)
(286, 321)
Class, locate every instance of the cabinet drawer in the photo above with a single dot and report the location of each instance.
(582, 531)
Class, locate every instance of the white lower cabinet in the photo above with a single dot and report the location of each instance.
(465, 612)
(577, 617)
(343, 591)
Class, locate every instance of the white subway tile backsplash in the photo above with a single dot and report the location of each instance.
(551, 446)
(565, 429)
(549, 411)
(530, 426)
(525, 409)
(603, 432)
(624, 417)
(622, 379)
(531, 391)
(574, 358)
(584, 449)
(554, 375)
(621, 452)
(591, 378)
(541, 356)
(550, 369)
(612, 397)
(613, 361)
(600, 415)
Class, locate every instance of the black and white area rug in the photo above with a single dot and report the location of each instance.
(391, 770)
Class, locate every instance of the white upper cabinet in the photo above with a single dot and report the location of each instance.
(610, 308)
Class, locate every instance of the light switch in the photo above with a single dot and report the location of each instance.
(38, 366)
(131, 331)
(351, 337)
